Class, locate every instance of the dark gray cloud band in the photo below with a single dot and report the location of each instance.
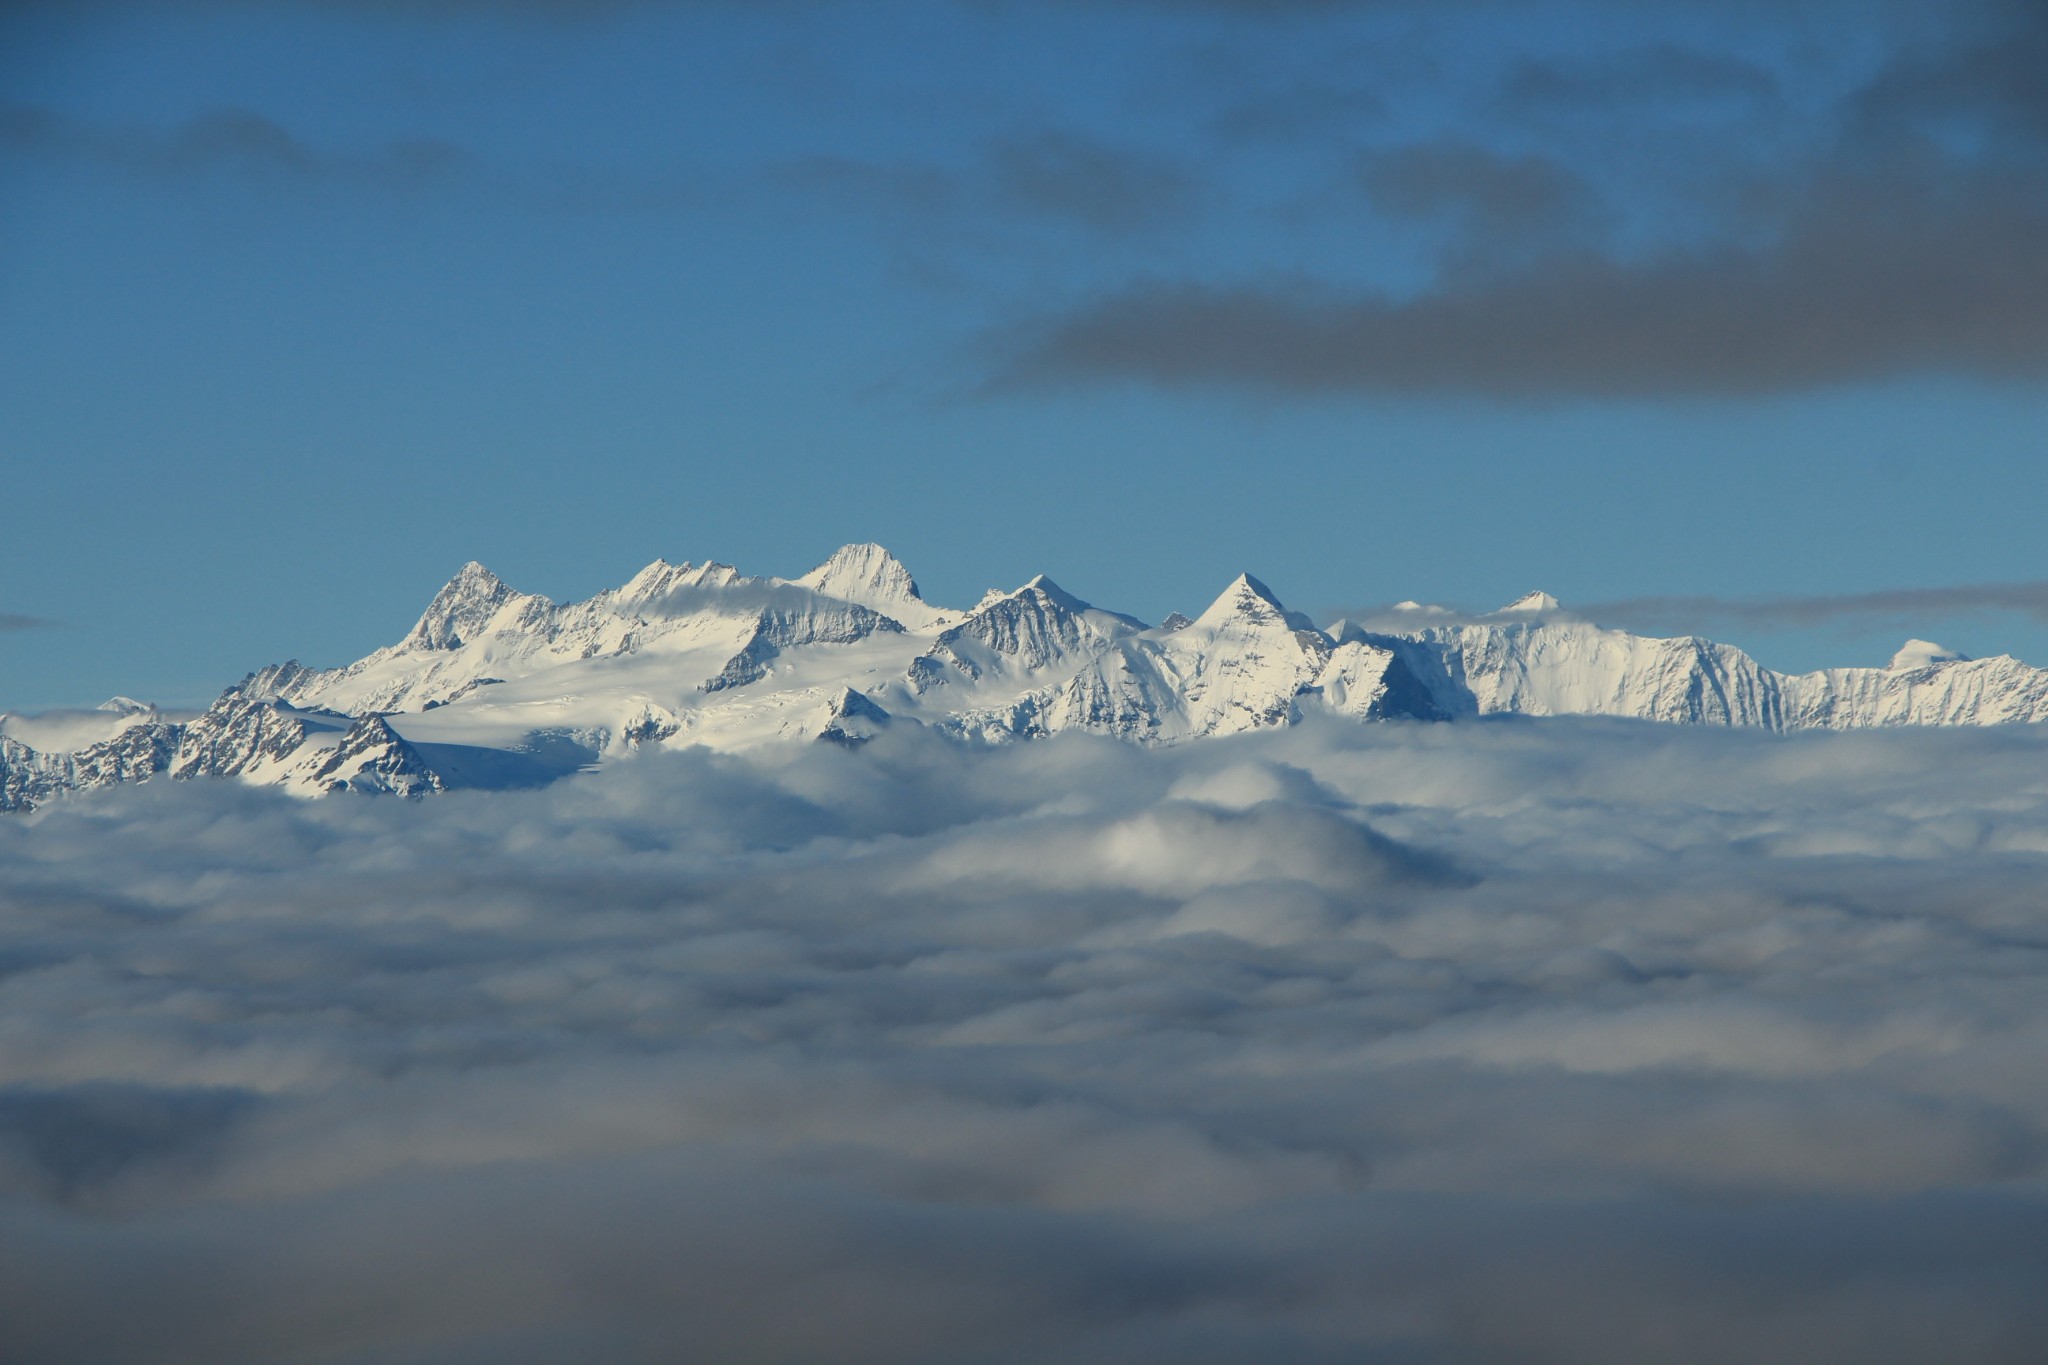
(1872, 281)
(1893, 230)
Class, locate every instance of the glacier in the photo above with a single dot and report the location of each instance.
(493, 687)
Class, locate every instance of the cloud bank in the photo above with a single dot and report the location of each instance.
(1572, 1042)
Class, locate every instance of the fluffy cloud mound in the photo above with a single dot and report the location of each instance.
(1584, 1042)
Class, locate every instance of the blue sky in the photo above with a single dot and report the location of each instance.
(304, 304)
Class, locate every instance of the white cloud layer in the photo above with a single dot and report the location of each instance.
(1585, 1042)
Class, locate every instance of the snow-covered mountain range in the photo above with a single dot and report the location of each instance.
(493, 687)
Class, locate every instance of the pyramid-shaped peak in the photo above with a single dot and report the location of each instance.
(473, 576)
(860, 553)
(471, 583)
(867, 575)
(856, 573)
(1244, 582)
(1924, 654)
(1054, 593)
(852, 702)
(656, 578)
(467, 601)
(1530, 604)
(1247, 599)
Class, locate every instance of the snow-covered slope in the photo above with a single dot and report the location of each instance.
(496, 687)
(1529, 658)
(874, 578)
(1925, 685)
(1535, 658)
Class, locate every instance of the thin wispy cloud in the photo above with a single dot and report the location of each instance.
(1653, 74)
(1111, 189)
(228, 139)
(1779, 612)
(1045, 176)
(16, 621)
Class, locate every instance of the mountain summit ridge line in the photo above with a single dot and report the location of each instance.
(493, 687)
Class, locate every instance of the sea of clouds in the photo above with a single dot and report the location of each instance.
(1536, 1042)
